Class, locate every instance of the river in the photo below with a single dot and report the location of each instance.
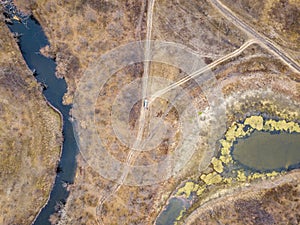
(32, 39)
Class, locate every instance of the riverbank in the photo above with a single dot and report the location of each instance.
(31, 137)
(265, 202)
(57, 164)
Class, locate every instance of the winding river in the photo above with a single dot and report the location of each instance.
(32, 39)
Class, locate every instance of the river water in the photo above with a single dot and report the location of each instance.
(31, 40)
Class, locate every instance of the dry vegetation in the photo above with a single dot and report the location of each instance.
(255, 82)
(277, 19)
(30, 138)
(279, 204)
(80, 31)
(197, 25)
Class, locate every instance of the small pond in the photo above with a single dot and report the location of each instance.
(172, 211)
(266, 151)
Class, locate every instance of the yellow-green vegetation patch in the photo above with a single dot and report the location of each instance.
(225, 156)
(237, 130)
(225, 147)
(256, 122)
(200, 190)
(217, 165)
(180, 215)
(241, 176)
(255, 176)
(187, 189)
(281, 125)
(228, 180)
(211, 178)
(190, 187)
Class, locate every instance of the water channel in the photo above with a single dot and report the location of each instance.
(31, 39)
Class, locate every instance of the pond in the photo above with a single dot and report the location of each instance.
(267, 151)
(172, 211)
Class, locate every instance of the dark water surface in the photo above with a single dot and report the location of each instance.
(31, 40)
(264, 151)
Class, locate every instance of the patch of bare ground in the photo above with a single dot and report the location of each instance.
(30, 138)
(160, 109)
(266, 203)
